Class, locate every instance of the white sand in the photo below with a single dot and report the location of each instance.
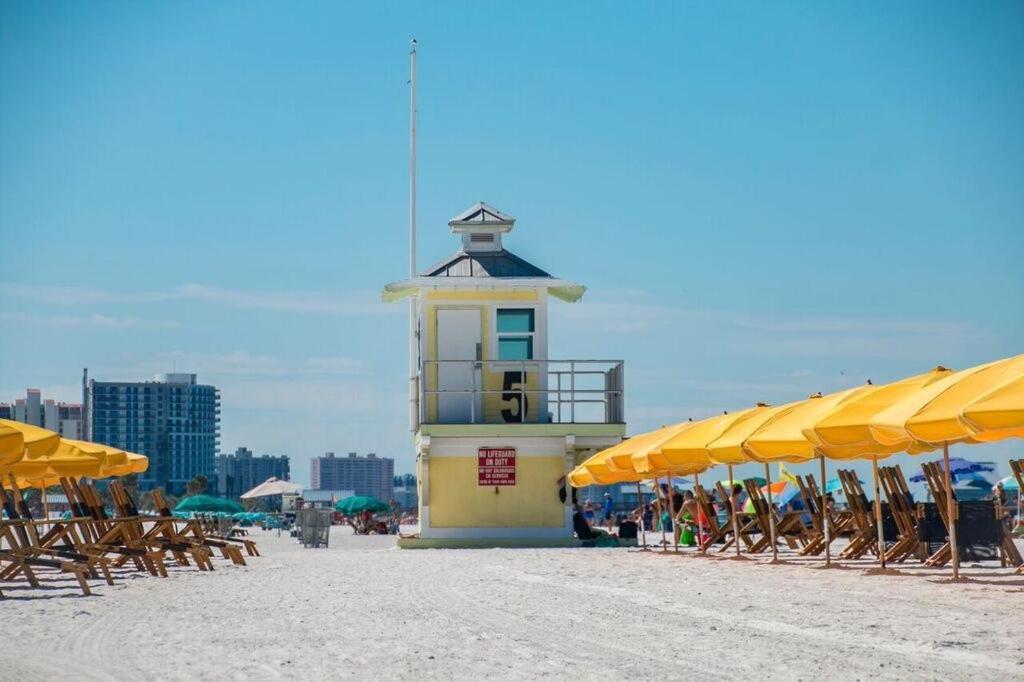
(364, 608)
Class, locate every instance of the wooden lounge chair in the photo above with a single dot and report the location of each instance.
(57, 549)
(746, 528)
(865, 536)
(815, 540)
(789, 527)
(936, 480)
(716, 532)
(901, 504)
(111, 536)
(165, 527)
(134, 532)
(195, 528)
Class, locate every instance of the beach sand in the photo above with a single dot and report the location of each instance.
(363, 608)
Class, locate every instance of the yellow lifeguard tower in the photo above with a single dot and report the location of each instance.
(498, 424)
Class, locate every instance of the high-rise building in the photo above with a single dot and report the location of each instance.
(173, 420)
(64, 418)
(242, 471)
(369, 475)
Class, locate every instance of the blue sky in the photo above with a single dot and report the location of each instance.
(764, 201)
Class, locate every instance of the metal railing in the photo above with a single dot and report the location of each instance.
(530, 391)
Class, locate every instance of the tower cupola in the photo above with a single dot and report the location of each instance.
(481, 227)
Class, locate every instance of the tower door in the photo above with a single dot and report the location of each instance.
(458, 339)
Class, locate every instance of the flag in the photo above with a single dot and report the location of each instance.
(785, 475)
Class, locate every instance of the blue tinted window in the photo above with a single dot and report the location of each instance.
(515, 321)
(515, 348)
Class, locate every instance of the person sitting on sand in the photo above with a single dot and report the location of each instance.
(628, 528)
(580, 525)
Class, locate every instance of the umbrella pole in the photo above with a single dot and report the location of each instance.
(661, 517)
(735, 515)
(672, 515)
(951, 513)
(640, 512)
(771, 513)
(46, 508)
(700, 532)
(825, 516)
(878, 514)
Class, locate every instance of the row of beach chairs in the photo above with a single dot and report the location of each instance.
(907, 533)
(93, 545)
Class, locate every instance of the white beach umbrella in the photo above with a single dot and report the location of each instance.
(272, 486)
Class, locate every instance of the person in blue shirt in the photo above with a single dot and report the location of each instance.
(609, 519)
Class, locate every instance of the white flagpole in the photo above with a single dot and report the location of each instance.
(414, 411)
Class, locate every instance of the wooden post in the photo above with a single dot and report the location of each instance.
(878, 514)
(951, 513)
(700, 533)
(640, 511)
(771, 512)
(735, 514)
(661, 516)
(672, 516)
(46, 508)
(825, 516)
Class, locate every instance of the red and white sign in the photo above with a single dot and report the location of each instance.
(496, 466)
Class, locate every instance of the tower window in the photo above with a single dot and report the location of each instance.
(515, 333)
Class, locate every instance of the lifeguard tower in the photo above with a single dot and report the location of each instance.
(497, 423)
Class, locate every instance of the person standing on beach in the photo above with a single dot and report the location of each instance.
(608, 509)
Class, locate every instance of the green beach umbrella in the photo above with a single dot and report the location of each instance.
(360, 503)
(208, 503)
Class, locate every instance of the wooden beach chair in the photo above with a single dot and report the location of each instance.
(165, 526)
(815, 542)
(901, 504)
(746, 528)
(195, 528)
(788, 527)
(716, 532)
(133, 530)
(56, 549)
(865, 536)
(111, 536)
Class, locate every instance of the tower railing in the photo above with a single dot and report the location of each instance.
(521, 392)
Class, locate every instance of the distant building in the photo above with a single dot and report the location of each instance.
(324, 499)
(173, 419)
(369, 475)
(242, 471)
(405, 491)
(64, 418)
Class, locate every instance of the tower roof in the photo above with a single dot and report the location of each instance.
(485, 264)
(481, 214)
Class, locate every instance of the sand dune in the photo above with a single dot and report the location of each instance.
(364, 608)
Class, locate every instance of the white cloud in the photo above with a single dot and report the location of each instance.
(765, 335)
(91, 320)
(303, 302)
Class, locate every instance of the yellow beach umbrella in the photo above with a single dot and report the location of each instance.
(623, 458)
(933, 415)
(647, 456)
(12, 445)
(689, 446)
(846, 433)
(38, 444)
(783, 439)
(940, 421)
(889, 426)
(998, 414)
(727, 447)
(133, 464)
